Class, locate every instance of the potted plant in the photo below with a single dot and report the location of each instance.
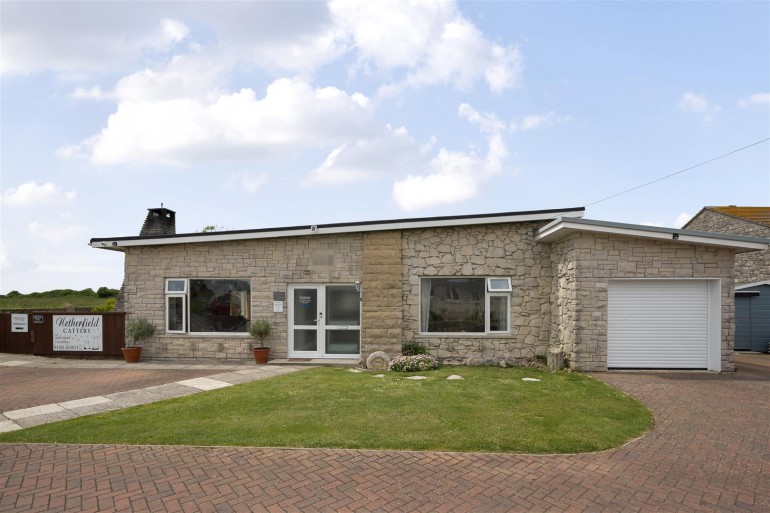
(137, 331)
(260, 330)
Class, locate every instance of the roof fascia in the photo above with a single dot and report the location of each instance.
(560, 228)
(749, 285)
(116, 243)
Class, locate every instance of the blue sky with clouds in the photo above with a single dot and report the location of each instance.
(267, 114)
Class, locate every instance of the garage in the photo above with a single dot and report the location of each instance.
(752, 317)
(663, 324)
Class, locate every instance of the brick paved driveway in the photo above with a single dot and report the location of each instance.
(709, 451)
(22, 387)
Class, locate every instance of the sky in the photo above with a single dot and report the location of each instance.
(246, 115)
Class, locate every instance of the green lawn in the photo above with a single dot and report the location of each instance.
(492, 409)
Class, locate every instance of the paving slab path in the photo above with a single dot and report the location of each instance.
(709, 451)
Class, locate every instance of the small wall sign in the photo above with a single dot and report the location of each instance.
(277, 306)
(37, 319)
(279, 296)
(19, 323)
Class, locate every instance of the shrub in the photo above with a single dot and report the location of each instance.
(107, 306)
(260, 329)
(139, 329)
(409, 349)
(419, 362)
(107, 292)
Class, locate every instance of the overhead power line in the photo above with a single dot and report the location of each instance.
(679, 172)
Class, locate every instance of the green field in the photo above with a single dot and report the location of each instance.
(56, 299)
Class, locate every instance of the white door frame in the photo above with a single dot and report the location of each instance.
(320, 324)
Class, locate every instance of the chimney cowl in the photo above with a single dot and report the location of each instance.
(159, 221)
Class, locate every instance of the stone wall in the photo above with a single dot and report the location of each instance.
(381, 307)
(482, 250)
(271, 265)
(564, 306)
(597, 258)
(751, 267)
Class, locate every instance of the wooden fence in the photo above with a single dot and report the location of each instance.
(63, 333)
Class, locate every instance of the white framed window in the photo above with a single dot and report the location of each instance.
(208, 305)
(499, 285)
(465, 305)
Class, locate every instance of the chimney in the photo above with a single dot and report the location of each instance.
(160, 221)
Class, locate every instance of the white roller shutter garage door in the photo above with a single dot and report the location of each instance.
(658, 324)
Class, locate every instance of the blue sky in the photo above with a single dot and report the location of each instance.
(258, 114)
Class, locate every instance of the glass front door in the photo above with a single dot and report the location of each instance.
(324, 321)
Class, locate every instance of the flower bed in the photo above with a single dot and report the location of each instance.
(418, 362)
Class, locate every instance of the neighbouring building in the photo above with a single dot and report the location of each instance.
(474, 289)
(750, 267)
(752, 271)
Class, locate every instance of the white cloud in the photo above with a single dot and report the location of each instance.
(693, 102)
(682, 219)
(94, 93)
(246, 180)
(755, 99)
(487, 122)
(430, 41)
(365, 159)
(56, 234)
(168, 118)
(453, 177)
(5, 261)
(32, 194)
(93, 37)
(536, 121)
(66, 268)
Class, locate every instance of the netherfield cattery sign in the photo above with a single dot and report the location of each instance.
(77, 332)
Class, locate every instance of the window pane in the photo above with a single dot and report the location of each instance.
(305, 340)
(342, 306)
(175, 286)
(305, 307)
(342, 342)
(498, 313)
(456, 304)
(219, 305)
(175, 314)
(499, 284)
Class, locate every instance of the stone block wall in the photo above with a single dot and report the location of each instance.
(381, 309)
(481, 250)
(751, 267)
(271, 265)
(597, 258)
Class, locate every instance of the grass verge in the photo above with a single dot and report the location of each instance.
(491, 409)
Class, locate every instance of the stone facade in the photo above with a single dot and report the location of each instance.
(559, 298)
(270, 264)
(585, 263)
(507, 250)
(381, 305)
(751, 267)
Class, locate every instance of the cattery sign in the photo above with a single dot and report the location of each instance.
(77, 332)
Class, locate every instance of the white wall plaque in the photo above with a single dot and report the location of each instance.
(19, 323)
(277, 306)
(77, 332)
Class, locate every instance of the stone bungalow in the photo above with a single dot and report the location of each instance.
(473, 289)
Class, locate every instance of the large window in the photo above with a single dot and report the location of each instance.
(465, 305)
(207, 305)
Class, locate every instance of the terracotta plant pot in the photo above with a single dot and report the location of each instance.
(261, 354)
(131, 354)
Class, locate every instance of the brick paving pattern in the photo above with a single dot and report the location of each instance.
(22, 387)
(709, 451)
